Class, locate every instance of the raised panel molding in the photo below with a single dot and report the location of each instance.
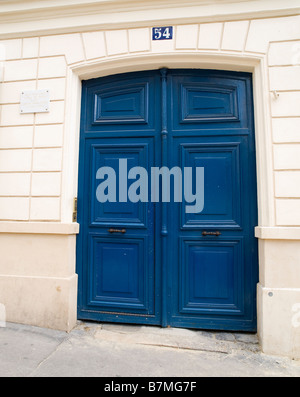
(208, 103)
(124, 257)
(214, 264)
(221, 211)
(128, 105)
(126, 214)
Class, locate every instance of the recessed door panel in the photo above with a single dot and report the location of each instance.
(222, 182)
(122, 211)
(211, 277)
(121, 275)
(122, 104)
(128, 104)
(202, 102)
(209, 100)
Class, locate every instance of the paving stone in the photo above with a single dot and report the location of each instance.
(225, 337)
(247, 338)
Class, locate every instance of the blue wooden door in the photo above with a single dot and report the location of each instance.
(155, 263)
(117, 268)
(213, 270)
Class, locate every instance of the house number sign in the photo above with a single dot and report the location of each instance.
(165, 33)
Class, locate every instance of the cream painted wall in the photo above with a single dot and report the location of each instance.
(39, 153)
(32, 146)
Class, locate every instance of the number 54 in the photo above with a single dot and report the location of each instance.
(162, 33)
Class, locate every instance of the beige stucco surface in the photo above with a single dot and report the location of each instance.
(39, 153)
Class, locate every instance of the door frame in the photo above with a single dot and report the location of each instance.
(160, 263)
(256, 64)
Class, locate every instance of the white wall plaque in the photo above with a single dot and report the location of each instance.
(35, 101)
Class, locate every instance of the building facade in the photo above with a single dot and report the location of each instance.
(55, 46)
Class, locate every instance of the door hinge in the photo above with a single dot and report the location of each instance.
(75, 206)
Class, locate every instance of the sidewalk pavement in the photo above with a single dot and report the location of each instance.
(98, 350)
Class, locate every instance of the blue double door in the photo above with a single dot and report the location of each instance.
(153, 262)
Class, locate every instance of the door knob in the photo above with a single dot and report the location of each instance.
(123, 231)
(217, 234)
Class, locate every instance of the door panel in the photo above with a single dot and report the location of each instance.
(211, 275)
(119, 213)
(127, 105)
(120, 272)
(208, 100)
(222, 193)
(202, 102)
